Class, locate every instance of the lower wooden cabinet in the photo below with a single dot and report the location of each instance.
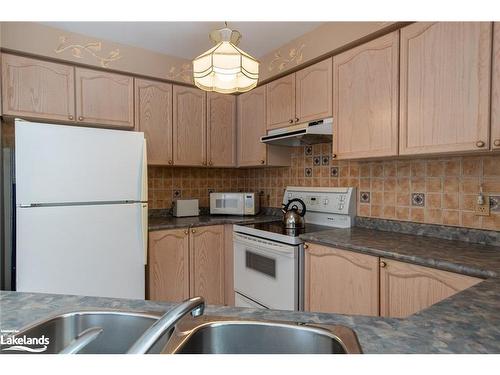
(408, 288)
(339, 281)
(186, 262)
(346, 282)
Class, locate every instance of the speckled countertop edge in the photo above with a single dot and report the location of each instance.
(170, 222)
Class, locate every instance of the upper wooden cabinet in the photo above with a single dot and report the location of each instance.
(365, 99)
(104, 98)
(313, 99)
(495, 99)
(207, 263)
(37, 89)
(190, 126)
(445, 87)
(153, 116)
(407, 288)
(221, 130)
(251, 126)
(281, 102)
(340, 281)
(168, 265)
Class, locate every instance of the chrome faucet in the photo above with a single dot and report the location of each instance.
(195, 306)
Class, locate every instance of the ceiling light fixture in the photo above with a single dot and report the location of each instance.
(225, 68)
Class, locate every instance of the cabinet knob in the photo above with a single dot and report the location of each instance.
(170, 162)
(193, 230)
(290, 121)
(334, 156)
(262, 162)
(204, 163)
(70, 117)
(186, 232)
(210, 163)
(306, 246)
(383, 264)
(496, 142)
(480, 144)
(80, 118)
(296, 119)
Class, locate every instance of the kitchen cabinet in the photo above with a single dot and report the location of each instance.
(188, 262)
(313, 95)
(153, 116)
(251, 123)
(189, 126)
(365, 99)
(407, 288)
(300, 97)
(221, 130)
(168, 265)
(445, 87)
(37, 89)
(495, 99)
(281, 102)
(104, 99)
(206, 262)
(339, 281)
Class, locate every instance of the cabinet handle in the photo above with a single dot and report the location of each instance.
(383, 264)
(80, 118)
(334, 156)
(480, 144)
(290, 121)
(193, 230)
(210, 163)
(170, 162)
(306, 246)
(186, 232)
(296, 119)
(70, 117)
(262, 162)
(497, 142)
(204, 163)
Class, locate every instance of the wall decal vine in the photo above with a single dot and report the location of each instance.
(184, 73)
(295, 55)
(92, 48)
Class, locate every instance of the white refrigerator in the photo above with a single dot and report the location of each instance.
(81, 210)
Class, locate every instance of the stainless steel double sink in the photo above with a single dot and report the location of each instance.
(203, 334)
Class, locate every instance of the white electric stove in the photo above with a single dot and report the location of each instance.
(269, 258)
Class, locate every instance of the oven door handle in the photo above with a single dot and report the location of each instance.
(263, 247)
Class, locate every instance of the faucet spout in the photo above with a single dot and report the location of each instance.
(195, 306)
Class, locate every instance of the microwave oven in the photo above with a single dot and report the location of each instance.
(234, 203)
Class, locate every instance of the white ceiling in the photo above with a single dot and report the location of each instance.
(189, 39)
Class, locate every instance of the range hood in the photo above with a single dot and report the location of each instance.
(303, 134)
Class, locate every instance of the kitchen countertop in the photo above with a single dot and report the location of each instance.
(171, 222)
(468, 322)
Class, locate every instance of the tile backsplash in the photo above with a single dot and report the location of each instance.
(432, 190)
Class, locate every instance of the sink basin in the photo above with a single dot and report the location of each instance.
(120, 330)
(219, 335)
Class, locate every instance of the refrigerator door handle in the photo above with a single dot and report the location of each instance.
(144, 223)
(144, 188)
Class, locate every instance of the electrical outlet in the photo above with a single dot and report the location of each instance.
(483, 209)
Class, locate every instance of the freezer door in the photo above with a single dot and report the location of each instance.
(83, 250)
(63, 164)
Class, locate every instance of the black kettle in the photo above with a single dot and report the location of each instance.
(292, 217)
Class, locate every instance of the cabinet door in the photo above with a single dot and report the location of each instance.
(365, 99)
(153, 116)
(190, 127)
(37, 89)
(281, 102)
(314, 92)
(207, 263)
(221, 129)
(340, 281)
(495, 100)
(445, 87)
(168, 270)
(105, 99)
(251, 126)
(407, 288)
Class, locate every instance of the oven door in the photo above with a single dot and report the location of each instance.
(266, 271)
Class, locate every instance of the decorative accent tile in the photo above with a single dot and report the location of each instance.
(177, 194)
(308, 150)
(494, 203)
(308, 172)
(325, 160)
(364, 197)
(316, 160)
(334, 171)
(210, 190)
(418, 199)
